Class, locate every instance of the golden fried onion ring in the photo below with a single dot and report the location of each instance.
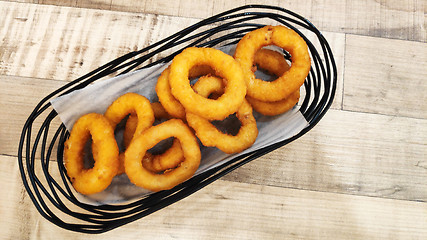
(96, 179)
(274, 63)
(132, 122)
(209, 135)
(171, 158)
(276, 107)
(168, 101)
(148, 139)
(128, 104)
(159, 162)
(289, 81)
(224, 66)
(271, 61)
(172, 106)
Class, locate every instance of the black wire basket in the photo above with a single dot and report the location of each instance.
(51, 192)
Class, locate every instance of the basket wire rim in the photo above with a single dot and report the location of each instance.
(102, 218)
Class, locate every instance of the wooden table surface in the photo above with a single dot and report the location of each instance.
(361, 173)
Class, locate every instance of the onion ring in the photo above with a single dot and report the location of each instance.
(128, 104)
(159, 111)
(99, 177)
(209, 135)
(159, 162)
(172, 106)
(132, 121)
(224, 66)
(274, 63)
(168, 101)
(276, 107)
(207, 85)
(148, 139)
(271, 61)
(289, 81)
(170, 159)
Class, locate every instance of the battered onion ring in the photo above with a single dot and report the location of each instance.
(168, 101)
(159, 111)
(274, 63)
(200, 70)
(128, 104)
(209, 135)
(132, 121)
(139, 146)
(159, 162)
(207, 85)
(224, 66)
(172, 106)
(96, 179)
(130, 128)
(288, 82)
(170, 159)
(271, 61)
(274, 108)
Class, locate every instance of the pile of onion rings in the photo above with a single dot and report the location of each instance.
(200, 86)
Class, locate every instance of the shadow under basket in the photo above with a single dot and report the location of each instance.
(44, 176)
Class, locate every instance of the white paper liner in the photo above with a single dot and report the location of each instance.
(98, 96)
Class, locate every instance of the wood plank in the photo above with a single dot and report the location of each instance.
(220, 6)
(352, 153)
(67, 3)
(25, 1)
(15, 109)
(65, 43)
(224, 209)
(385, 76)
(96, 4)
(162, 7)
(387, 19)
(195, 8)
(123, 5)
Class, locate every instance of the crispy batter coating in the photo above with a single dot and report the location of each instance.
(158, 162)
(99, 177)
(275, 64)
(224, 66)
(168, 179)
(291, 80)
(170, 159)
(274, 108)
(209, 135)
(168, 101)
(128, 104)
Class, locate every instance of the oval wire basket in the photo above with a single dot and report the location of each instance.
(52, 194)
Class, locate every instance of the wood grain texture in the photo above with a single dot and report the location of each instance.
(67, 3)
(385, 76)
(19, 96)
(352, 153)
(96, 4)
(263, 212)
(66, 43)
(123, 5)
(379, 18)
